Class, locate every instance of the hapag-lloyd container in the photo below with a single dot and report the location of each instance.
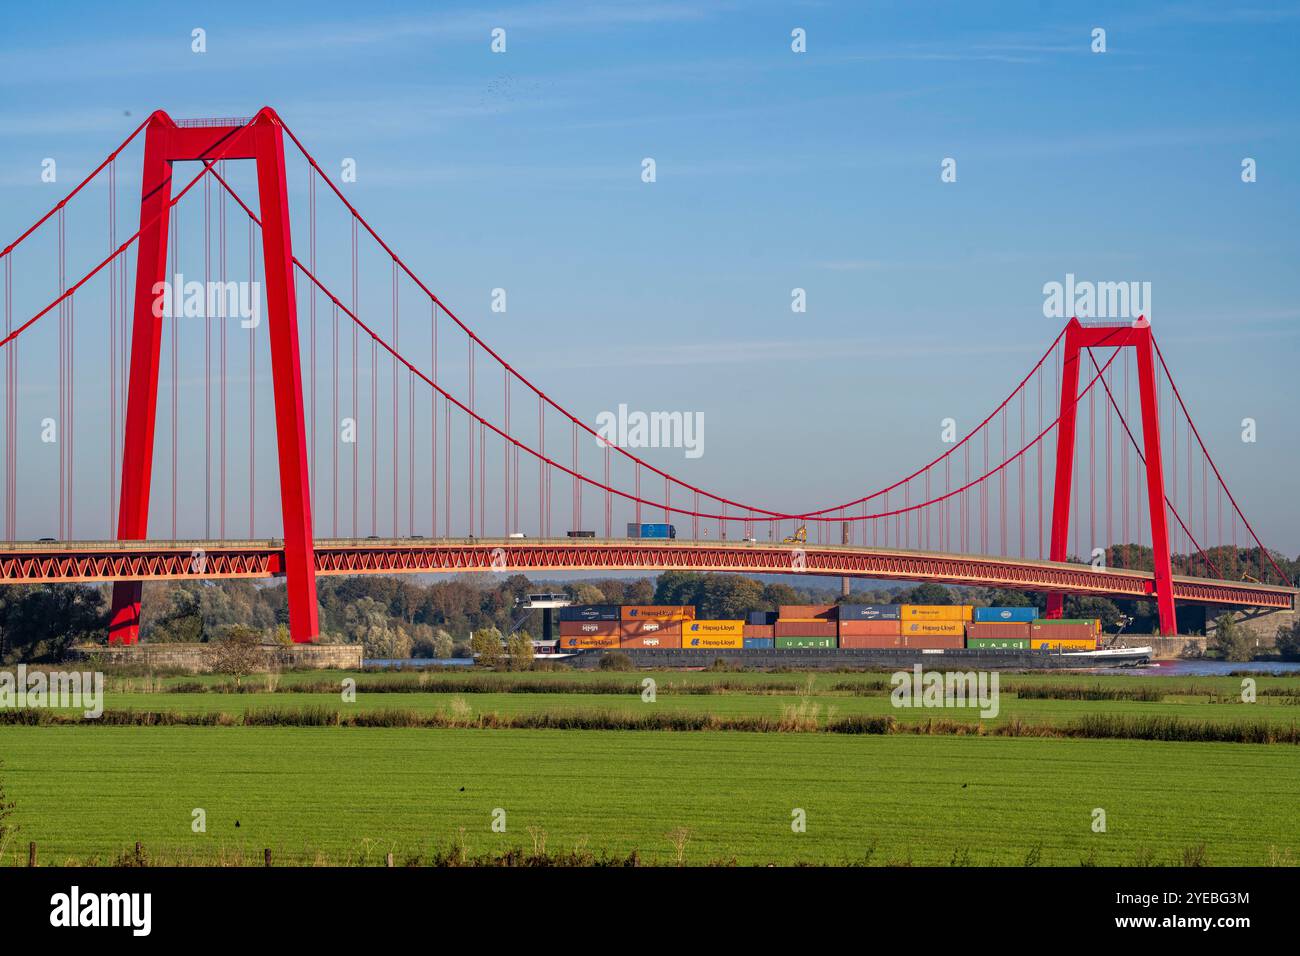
(1004, 614)
(588, 641)
(870, 612)
(805, 628)
(659, 612)
(713, 629)
(712, 641)
(590, 612)
(870, 629)
(934, 629)
(1063, 643)
(1015, 630)
(590, 628)
(935, 612)
(668, 639)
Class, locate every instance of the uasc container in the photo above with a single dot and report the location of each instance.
(998, 643)
(805, 642)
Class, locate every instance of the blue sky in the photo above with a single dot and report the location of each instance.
(775, 170)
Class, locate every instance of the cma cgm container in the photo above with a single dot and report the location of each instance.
(870, 629)
(1004, 614)
(935, 612)
(666, 638)
(641, 628)
(805, 642)
(651, 530)
(870, 612)
(761, 631)
(805, 628)
(590, 612)
(934, 629)
(759, 643)
(807, 612)
(659, 612)
(1016, 630)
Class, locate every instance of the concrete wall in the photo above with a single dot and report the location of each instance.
(193, 658)
(1261, 623)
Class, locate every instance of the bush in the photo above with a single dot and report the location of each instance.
(1230, 642)
(615, 661)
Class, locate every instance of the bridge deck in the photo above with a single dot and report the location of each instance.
(30, 562)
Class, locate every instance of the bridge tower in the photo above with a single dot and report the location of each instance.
(1136, 336)
(260, 139)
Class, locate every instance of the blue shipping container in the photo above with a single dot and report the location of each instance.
(651, 530)
(761, 617)
(1006, 614)
(760, 643)
(870, 612)
(590, 612)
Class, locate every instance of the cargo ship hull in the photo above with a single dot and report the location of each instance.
(900, 658)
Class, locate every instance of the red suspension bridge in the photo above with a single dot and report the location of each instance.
(401, 407)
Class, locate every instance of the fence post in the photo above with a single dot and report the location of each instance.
(266, 856)
(390, 860)
(31, 853)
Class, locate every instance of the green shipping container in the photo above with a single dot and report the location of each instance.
(998, 643)
(806, 643)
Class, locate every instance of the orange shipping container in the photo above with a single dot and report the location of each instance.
(871, 640)
(1063, 643)
(869, 629)
(933, 641)
(658, 612)
(589, 629)
(934, 629)
(805, 628)
(579, 642)
(713, 629)
(760, 630)
(649, 641)
(936, 612)
(808, 612)
(716, 641)
(647, 627)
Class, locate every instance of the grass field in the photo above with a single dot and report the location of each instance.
(350, 795)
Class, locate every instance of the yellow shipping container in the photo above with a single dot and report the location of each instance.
(587, 642)
(934, 628)
(713, 629)
(712, 641)
(936, 612)
(1062, 644)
